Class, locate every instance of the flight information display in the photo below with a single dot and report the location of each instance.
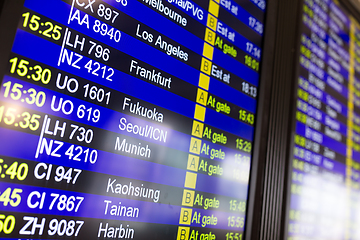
(325, 190)
(129, 119)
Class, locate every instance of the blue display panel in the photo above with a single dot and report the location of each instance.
(129, 119)
(324, 192)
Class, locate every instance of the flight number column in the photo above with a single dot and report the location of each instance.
(29, 92)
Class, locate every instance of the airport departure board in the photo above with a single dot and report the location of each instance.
(129, 119)
(325, 189)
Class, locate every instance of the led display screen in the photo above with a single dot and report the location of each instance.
(324, 201)
(129, 119)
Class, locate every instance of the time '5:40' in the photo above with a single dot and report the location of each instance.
(17, 170)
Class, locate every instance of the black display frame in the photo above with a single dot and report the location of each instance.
(269, 207)
(292, 117)
(256, 182)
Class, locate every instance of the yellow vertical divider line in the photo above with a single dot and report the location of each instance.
(349, 140)
(197, 128)
(199, 114)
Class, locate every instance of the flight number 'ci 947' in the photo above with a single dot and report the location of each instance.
(45, 171)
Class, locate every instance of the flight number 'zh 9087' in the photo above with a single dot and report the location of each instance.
(36, 226)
